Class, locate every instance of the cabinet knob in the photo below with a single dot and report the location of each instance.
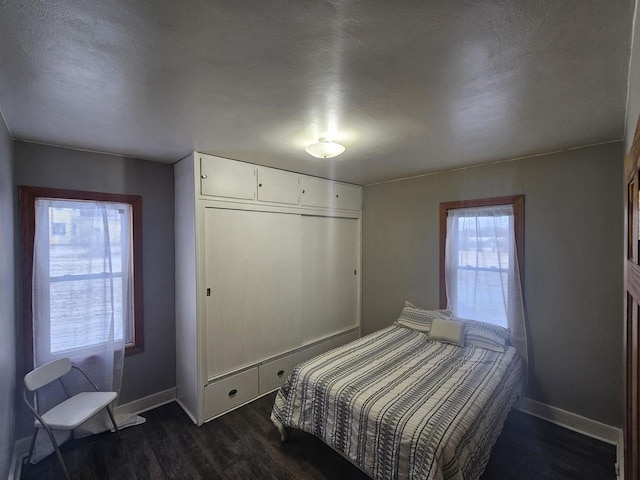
(302, 191)
(259, 184)
(203, 176)
(280, 373)
(233, 392)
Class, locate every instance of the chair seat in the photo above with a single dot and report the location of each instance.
(76, 410)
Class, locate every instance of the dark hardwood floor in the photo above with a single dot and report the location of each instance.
(244, 444)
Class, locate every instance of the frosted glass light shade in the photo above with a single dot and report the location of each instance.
(324, 149)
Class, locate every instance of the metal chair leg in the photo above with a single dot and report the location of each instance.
(58, 454)
(33, 445)
(113, 420)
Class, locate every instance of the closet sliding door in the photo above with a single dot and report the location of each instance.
(329, 276)
(253, 273)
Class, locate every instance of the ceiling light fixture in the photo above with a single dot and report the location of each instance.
(324, 148)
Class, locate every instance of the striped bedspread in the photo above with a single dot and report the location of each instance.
(400, 406)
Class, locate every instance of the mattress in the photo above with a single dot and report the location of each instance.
(401, 406)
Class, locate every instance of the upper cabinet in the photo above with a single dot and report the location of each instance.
(277, 186)
(231, 179)
(316, 192)
(348, 197)
(227, 178)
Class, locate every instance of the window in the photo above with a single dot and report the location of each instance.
(481, 258)
(82, 271)
(58, 228)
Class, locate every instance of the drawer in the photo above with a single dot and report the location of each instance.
(274, 373)
(348, 337)
(329, 344)
(230, 392)
(313, 350)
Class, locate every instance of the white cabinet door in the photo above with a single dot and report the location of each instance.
(315, 192)
(221, 177)
(329, 277)
(253, 273)
(348, 197)
(277, 186)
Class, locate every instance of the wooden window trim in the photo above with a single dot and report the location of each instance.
(631, 335)
(518, 213)
(28, 196)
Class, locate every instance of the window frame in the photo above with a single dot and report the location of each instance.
(28, 196)
(517, 201)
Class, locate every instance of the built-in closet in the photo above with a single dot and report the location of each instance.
(267, 276)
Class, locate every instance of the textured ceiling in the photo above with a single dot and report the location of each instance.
(408, 87)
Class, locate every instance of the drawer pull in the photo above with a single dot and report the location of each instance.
(233, 392)
(280, 373)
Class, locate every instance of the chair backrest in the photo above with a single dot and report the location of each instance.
(47, 373)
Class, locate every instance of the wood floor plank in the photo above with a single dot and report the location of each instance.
(244, 444)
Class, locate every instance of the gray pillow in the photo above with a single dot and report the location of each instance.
(419, 319)
(485, 335)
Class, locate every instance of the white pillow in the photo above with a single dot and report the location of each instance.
(447, 331)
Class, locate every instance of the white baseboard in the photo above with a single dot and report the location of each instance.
(20, 451)
(578, 423)
(147, 403)
(571, 421)
(620, 456)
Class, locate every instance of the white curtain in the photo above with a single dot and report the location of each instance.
(482, 275)
(81, 274)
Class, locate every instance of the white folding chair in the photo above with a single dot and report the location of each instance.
(68, 414)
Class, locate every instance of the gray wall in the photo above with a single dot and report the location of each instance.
(633, 106)
(7, 302)
(44, 166)
(573, 272)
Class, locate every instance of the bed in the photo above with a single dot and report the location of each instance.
(399, 403)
